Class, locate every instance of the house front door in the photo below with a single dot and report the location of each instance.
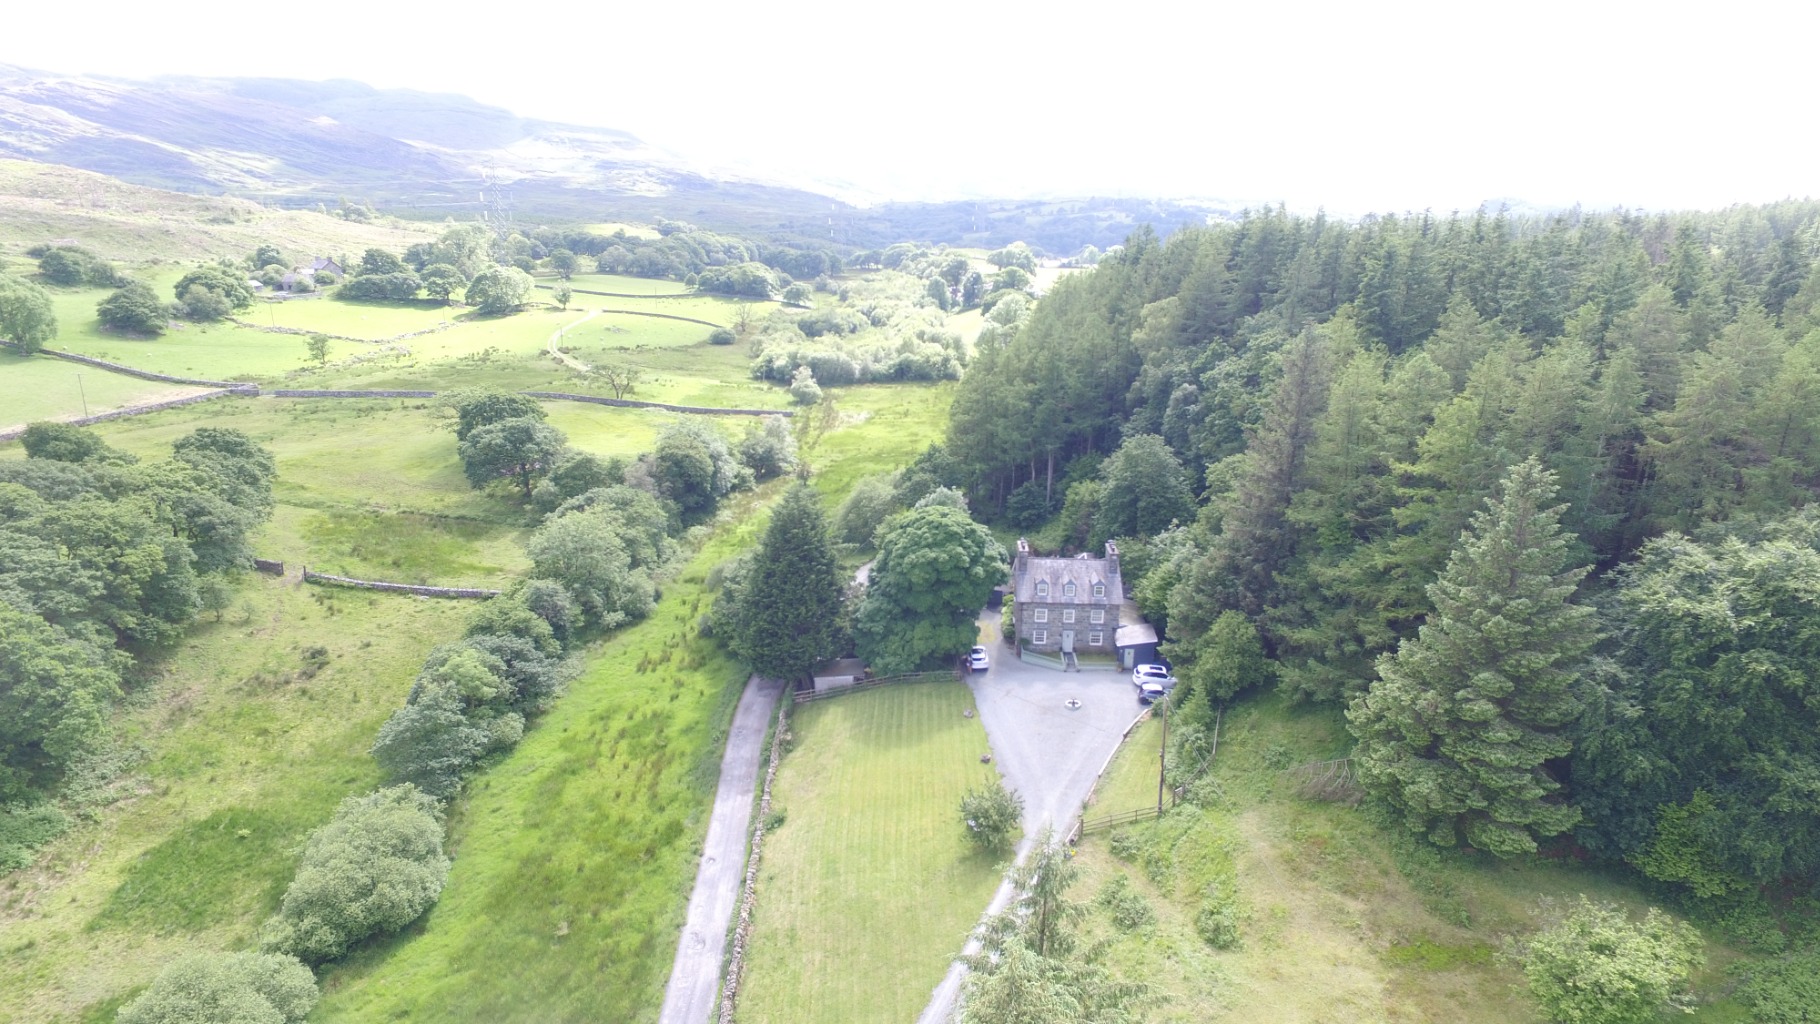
(1067, 641)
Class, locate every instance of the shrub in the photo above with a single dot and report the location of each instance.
(721, 336)
(1124, 904)
(991, 814)
(24, 829)
(429, 743)
(1597, 967)
(803, 388)
(1784, 991)
(1217, 921)
(374, 868)
(226, 988)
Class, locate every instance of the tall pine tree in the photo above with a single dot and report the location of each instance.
(1459, 728)
(793, 596)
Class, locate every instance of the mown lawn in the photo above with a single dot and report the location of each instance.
(1344, 917)
(869, 888)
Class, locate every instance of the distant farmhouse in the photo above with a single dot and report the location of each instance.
(1066, 605)
(322, 263)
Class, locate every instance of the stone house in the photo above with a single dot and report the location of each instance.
(1066, 605)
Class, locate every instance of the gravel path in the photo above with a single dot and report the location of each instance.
(1048, 752)
(563, 357)
(690, 996)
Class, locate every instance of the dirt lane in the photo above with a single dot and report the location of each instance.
(690, 996)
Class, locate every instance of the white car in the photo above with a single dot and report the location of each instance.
(977, 660)
(1152, 674)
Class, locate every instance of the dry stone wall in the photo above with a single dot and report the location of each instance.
(402, 588)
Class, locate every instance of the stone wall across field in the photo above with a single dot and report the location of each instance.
(14, 432)
(402, 588)
(627, 403)
(317, 393)
(145, 374)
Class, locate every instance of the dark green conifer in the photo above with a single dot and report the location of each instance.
(793, 597)
(1459, 728)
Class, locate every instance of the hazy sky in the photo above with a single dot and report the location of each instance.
(1356, 106)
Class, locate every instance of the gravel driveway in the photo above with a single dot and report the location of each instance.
(1047, 751)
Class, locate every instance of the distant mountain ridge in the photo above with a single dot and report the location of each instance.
(295, 143)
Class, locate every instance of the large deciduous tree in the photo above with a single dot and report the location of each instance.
(134, 309)
(1699, 760)
(1458, 731)
(1146, 490)
(55, 693)
(498, 290)
(520, 449)
(211, 292)
(26, 317)
(792, 599)
(935, 569)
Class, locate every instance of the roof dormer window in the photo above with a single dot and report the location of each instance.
(1068, 591)
(1099, 590)
(1042, 589)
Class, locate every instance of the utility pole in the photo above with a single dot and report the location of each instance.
(1162, 757)
(84, 394)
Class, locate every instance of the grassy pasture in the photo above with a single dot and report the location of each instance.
(625, 285)
(575, 856)
(1345, 918)
(40, 387)
(373, 321)
(244, 754)
(599, 813)
(869, 888)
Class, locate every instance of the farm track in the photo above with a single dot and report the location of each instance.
(689, 998)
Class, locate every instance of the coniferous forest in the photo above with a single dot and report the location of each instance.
(1531, 498)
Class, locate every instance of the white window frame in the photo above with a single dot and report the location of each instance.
(1099, 590)
(1096, 639)
(1041, 636)
(1068, 590)
(1042, 589)
(1039, 615)
(1067, 614)
(1097, 616)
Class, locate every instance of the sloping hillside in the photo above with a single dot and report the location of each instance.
(133, 223)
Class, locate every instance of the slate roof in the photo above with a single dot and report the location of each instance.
(1082, 572)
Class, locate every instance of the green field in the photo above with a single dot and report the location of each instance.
(600, 811)
(41, 387)
(625, 285)
(244, 754)
(373, 321)
(869, 888)
(1344, 916)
